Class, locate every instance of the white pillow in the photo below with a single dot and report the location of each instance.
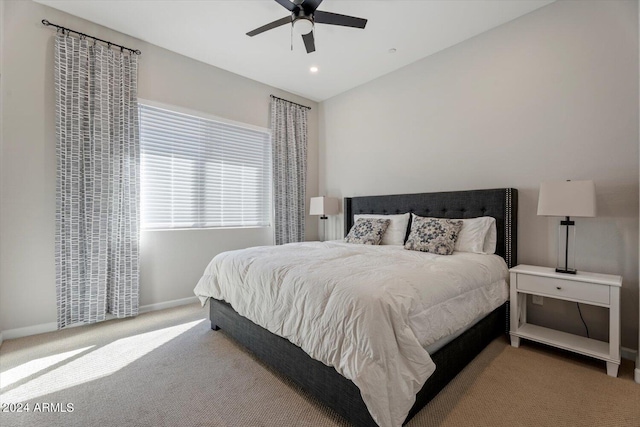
(491, 240)
(396, 231)
(476, 235)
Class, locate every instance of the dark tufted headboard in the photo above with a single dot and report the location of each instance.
(500, 203)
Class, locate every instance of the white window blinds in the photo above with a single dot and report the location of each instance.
(197, 172)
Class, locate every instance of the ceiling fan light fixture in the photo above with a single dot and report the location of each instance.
(302, 26)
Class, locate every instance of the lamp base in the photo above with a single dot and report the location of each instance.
(566, 270)
(566, 247)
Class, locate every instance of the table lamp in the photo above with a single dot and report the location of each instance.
(567, 199)
(323, 206)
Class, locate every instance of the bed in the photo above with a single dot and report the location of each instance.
(323, 381)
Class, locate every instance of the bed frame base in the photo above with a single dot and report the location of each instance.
(326, 384)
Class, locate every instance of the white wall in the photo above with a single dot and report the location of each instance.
(552, 95)
(1, 140)
(171, 261)
(637, 371)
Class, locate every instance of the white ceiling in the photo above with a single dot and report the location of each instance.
(214, 32)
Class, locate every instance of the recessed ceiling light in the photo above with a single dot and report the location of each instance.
(313, 69)
(392, 50)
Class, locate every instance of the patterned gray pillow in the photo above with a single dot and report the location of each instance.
(435, 235)
(367, 231)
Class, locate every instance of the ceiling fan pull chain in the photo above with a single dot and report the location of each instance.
(291, 38)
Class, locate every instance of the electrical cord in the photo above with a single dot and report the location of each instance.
(582, 318)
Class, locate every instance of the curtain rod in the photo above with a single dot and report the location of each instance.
(109, 44)
(295, 103)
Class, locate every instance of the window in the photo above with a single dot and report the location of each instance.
(200, 172)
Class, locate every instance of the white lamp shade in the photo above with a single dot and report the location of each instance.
(323, 206)
(567, 198)
(302, 26)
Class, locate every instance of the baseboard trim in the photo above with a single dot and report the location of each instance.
(167, 304)
(627, 353)
(42, 328)
(9, 334)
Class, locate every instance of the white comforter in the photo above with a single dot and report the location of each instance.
(368, 311)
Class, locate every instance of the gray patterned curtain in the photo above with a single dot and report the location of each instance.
(289, 140)
(98, 186)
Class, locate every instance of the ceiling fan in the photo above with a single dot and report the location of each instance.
(303, 17)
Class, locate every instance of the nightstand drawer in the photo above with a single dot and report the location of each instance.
(561, 288)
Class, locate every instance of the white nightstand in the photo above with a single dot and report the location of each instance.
(586, 288)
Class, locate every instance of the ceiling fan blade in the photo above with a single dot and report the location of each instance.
(309, 42)
(321, 17)
(310, 6)
(269, 26)
(287, 4)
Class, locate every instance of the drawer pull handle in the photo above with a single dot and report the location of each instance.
(558, 288)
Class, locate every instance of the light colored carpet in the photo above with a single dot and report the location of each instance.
(168, 368)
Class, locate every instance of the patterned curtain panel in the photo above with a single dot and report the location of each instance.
(98, 185)
(289, 140)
